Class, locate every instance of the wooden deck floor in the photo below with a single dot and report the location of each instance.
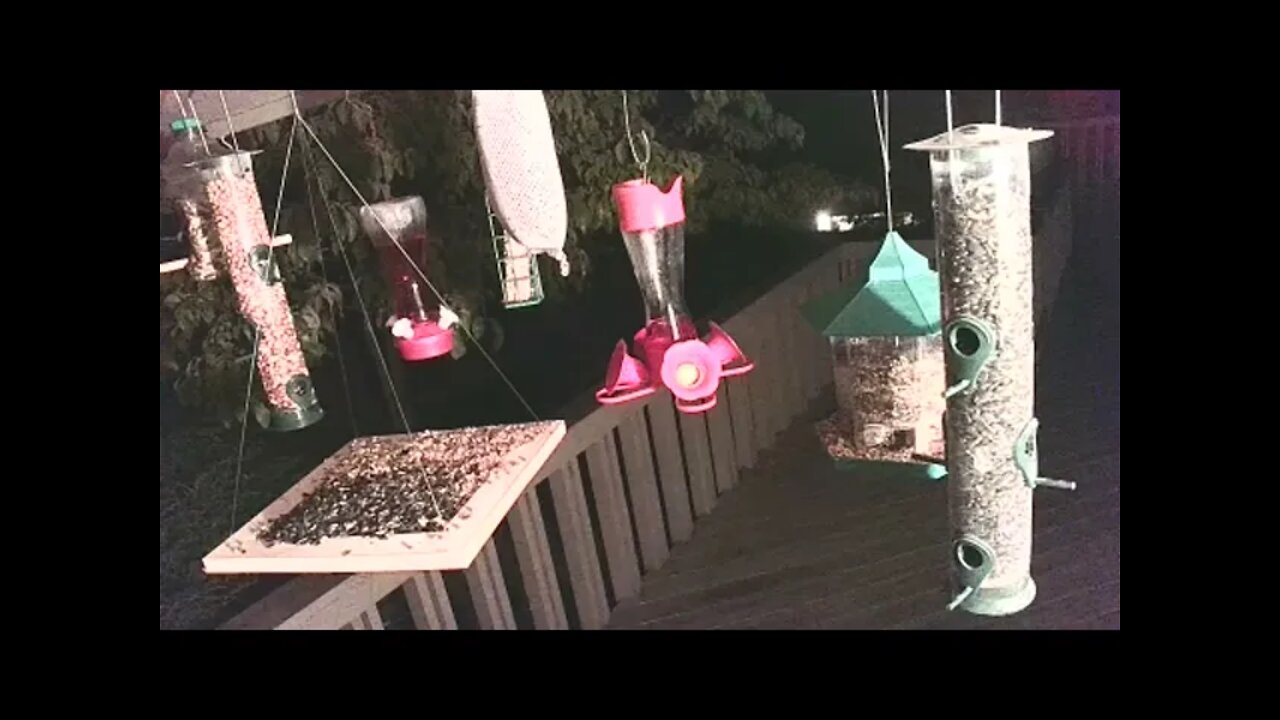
(798, 545)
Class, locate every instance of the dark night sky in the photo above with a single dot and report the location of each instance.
(841, 131)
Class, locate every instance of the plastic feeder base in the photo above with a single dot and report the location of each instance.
(892, 470)
(999, 602)
(285, 421)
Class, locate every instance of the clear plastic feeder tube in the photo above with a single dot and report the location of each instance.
(889, 395)
(184, 189)
(652, 226)
(982, 207)
(231, 195)
(398, 230)
(657, 257)
(406, 220)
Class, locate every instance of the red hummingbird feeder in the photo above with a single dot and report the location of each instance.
(398, 231)
(668, 350)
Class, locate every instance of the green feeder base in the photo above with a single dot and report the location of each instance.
(999, 602)
(893, 470)
(285, 421)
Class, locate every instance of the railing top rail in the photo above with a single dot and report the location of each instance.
(1099, 121)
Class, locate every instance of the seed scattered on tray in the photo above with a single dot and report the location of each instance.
(382, 486)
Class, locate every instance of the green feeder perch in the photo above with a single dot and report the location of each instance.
(518, 273)
(887, 352)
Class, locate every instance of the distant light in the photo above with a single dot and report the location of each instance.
(823, 221)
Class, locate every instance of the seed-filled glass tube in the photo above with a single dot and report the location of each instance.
(982, 211)
(231, 193)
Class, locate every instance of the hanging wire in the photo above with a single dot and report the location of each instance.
(951, 120)
(199, 126)
(324, 275)
(309, 165)
(204, 140)
(235, 143)
(882, 132)
(308, 172)
(644, 138)
(257, 331)
(418, 270)
(413, 263)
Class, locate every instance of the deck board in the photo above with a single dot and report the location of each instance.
(800, 545)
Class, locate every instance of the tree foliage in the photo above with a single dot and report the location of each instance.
(731, 147)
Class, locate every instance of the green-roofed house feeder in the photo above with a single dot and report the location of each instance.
(886, 347)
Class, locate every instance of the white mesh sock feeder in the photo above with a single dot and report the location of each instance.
(886, 348)
(982, 211)
(525, 191)
(231, 194)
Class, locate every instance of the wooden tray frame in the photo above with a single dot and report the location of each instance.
(453, 549)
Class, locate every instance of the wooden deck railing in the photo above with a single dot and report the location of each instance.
(1091, 148)
(1090, 152)
(627, 484)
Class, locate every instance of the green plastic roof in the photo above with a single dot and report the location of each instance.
(901, 298)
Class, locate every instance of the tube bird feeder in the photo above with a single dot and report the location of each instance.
(239, 225)
(981, 178)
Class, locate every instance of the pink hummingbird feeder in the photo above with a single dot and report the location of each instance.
(398, 230)
(668, 350)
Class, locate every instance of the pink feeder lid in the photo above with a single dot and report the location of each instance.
(429, 341)
(642, 206)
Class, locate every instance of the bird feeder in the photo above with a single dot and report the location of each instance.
(668, 350)
(518, 272)
(230, 194)
(397, 503)
(528, 212)
(184, 190)
(981, 176)
(398, 231)
(886, 349)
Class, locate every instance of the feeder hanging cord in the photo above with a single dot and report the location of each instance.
(257, 331)
(644, 139)
(882, 133)
(309, 168)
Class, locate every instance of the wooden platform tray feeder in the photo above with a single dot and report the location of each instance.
(394, 503)
(887, 351)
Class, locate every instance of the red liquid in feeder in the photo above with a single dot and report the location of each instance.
(398, 230)
(668, 350)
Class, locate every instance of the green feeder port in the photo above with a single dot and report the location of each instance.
(308, 412)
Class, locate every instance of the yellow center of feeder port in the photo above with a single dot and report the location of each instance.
(688, 375)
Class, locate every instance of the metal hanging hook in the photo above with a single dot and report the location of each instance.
(644, 138)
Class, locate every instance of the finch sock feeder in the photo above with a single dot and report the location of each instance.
(667, 349)
(528, 214)
(229, 194)
(397, 229)
(981, 177)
